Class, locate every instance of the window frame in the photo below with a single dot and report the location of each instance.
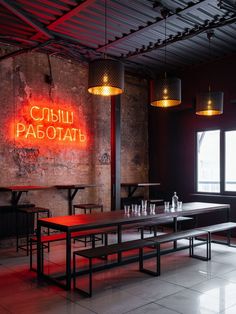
(222, 161)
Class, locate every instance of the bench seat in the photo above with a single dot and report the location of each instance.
(140, 244)
(225, 226)
(220, 227)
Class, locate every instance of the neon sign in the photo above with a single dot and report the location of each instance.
(39, 124)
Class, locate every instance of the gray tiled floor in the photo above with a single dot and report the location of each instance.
(185, 286)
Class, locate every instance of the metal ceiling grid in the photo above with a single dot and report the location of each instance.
(135, 29)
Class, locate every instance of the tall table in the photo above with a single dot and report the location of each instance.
(82, 222)
(132, 187)
(72, 190)
(17, 190)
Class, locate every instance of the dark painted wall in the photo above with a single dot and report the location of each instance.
(172, 131)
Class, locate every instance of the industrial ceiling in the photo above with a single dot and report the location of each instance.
(132, 31)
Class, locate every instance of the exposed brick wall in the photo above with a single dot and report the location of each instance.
(21, 80)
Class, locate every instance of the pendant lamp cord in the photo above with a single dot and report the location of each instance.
(50, 78)
(105, 50)
(165, 48)
(209, 36)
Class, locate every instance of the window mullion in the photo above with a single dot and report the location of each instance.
(222, 162)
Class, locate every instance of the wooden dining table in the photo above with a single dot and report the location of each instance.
(118, 219)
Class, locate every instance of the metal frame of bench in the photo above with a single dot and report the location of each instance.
(140, 244)
(170, 237)
(62, 236)
(111, 249)
(225, 226)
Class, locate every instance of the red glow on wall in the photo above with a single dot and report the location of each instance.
(47, 124)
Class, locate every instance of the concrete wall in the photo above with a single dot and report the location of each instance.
(47, 162)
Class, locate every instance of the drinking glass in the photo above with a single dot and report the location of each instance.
(152, 209)
(127, 209)
(144, 205)
(179, 205)
(138, 209)
(167, 206)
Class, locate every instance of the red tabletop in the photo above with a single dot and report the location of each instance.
(16, 188)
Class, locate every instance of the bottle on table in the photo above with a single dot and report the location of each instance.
(175, 200)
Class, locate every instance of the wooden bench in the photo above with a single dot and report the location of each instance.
(140, 244)
(46, 239)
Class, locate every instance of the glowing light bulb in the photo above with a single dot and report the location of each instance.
(105, 78)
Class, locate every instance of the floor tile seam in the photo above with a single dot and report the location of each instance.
(230, 281)
(139, 307)
(85, 307)
(132, 294)
(197, 292)
(171, 294)
(185, 286)
(166, 307)
(177, 292)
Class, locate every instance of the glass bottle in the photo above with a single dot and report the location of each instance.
(174, 200)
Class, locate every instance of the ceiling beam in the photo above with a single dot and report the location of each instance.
(80, 7)
(188, 33)
(150, 25)
(21, 51)
(23, 16)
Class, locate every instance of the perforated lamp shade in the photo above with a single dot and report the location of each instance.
(166, 92)
(209, 104)
(106, 77)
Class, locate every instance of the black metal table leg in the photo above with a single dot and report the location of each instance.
(119, 239)
(39, 252)
(68, 261)
(175, 230)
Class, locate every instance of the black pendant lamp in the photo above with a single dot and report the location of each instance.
(209, 103)
(166, 92)
(106, 76)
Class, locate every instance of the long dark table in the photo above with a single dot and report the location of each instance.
(82, 222)
(72, 190)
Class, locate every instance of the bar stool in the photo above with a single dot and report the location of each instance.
(30, 213)
(87, 207)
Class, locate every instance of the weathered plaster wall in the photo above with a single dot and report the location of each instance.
(21, 81)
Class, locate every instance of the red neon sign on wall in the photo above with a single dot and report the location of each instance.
(55, 125)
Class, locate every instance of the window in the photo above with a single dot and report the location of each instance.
(208, 161)
(216, 161)
(230, 161)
